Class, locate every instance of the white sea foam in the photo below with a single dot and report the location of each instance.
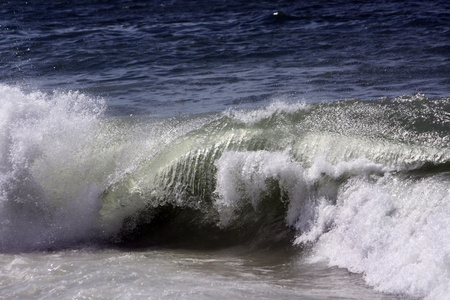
(49, 187)
(394, 231)
(276, 107)
(244, 177)
(360, 216)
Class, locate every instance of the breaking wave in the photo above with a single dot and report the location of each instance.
(362, 184)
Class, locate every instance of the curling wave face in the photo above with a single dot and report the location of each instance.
(362, 184)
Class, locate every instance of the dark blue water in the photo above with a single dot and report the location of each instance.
(171, 57)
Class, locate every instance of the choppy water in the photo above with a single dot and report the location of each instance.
(171, 57)
(166, 149)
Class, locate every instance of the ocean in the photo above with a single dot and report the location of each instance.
(224, 149)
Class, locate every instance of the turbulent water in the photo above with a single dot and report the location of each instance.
(225, 150)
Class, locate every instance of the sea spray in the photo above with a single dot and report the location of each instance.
(49, 190)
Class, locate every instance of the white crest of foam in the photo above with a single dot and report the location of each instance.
(355, 167)
(242, 178)
(394, 231)
(276, 107)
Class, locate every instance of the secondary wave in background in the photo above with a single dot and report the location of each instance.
(173, 57)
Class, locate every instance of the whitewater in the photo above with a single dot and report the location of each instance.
(224, 204)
